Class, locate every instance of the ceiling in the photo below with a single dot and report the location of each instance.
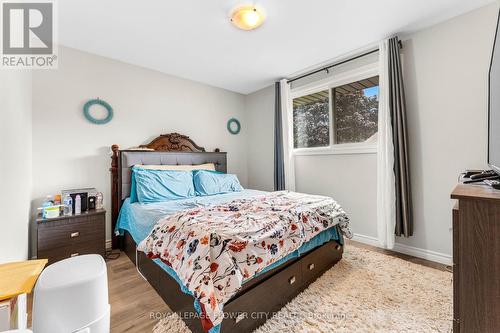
(194, 39)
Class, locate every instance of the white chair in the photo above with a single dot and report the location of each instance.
(71, 295)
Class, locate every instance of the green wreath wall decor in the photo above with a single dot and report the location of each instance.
(233, 126)
(90, 118)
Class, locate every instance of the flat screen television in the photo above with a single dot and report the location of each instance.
(494, 107)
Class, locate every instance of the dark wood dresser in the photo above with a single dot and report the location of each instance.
(476, 259)
(68, 236)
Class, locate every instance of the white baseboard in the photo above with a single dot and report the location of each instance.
(441, 258)
(369, 240)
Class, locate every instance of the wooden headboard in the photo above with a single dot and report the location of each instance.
(167, 149)
(173, 142)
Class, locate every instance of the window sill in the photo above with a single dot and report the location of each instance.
(346, 149)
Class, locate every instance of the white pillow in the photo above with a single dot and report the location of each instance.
(206, 166)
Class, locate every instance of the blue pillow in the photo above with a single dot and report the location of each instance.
(133, 190)
(212, 182)
(161, 185)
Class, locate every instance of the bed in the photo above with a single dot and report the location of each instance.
(259, 296)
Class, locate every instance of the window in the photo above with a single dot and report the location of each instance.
(355, 111)
(311, 120)
(340, 114)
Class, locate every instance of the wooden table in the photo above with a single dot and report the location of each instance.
(476, 259)
(16, 280)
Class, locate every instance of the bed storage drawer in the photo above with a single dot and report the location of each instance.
(320, 260)
(149, 270)
(269, 296)
(259, 299)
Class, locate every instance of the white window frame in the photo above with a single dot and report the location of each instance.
(361, 73)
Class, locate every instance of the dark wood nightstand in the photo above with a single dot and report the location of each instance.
(68, 236)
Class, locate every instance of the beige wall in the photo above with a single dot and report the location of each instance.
(446, 76)
(351, 179)
(259, 109)
(70, 152)
(15, 163)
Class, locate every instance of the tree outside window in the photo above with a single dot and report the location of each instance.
(354, 115)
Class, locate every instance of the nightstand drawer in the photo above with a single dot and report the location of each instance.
(64, 252)
(52, 235)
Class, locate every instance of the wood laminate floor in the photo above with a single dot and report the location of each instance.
(132, 299)
(135, 304)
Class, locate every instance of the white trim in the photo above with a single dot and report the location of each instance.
(441, 258)
(338, 149)
(434, 256)
(369, 240)
(350, 76)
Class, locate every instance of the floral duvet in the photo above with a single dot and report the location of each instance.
(214, 249)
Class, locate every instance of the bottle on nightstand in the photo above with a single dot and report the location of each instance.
(68, 205)
(78, 205)
(99, 201)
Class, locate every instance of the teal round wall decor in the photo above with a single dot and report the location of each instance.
(233, 126)
(100, 121)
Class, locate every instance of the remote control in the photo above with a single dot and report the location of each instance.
(469, 173)
(482, 175)
(493, 183)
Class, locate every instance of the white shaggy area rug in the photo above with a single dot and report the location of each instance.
(365, 292)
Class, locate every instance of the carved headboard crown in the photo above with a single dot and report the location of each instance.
(173, 142)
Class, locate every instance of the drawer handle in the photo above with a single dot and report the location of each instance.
(311, 267)
(239, 317)
(74, 254)
(291, 280)
(75, 234)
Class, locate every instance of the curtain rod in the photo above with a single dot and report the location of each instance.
(326, 68)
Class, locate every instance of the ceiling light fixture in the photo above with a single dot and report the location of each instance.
(247, 17)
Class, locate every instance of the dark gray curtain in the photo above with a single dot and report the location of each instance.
(397, 105)
(279, 164)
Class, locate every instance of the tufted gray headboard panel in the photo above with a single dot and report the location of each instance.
(129, 158)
